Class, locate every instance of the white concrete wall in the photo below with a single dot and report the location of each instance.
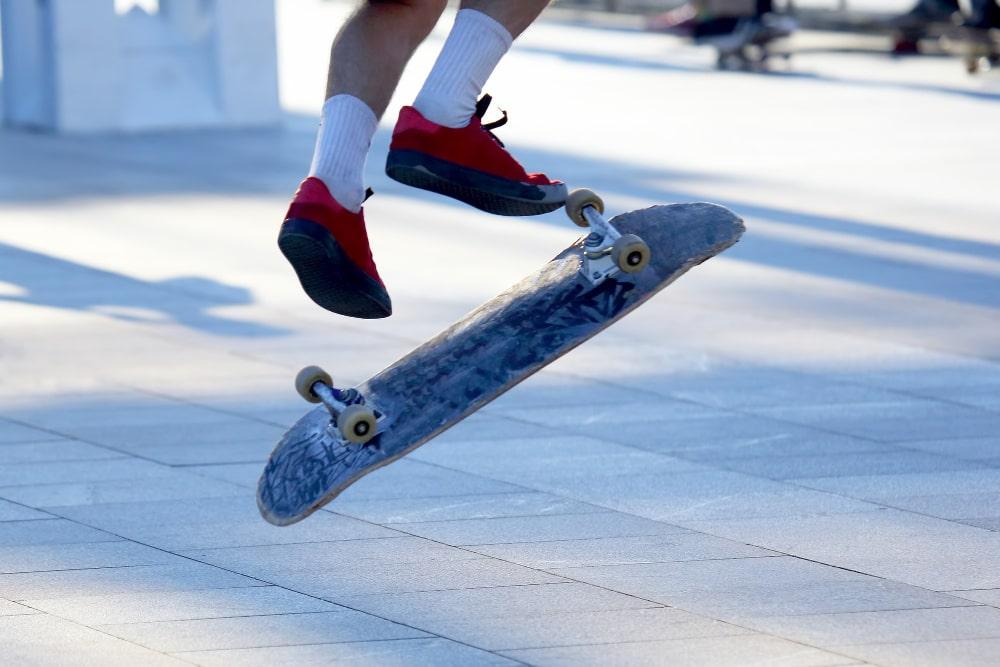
(79, 66)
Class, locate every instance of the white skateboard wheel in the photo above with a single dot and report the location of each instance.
(309, 376)
(580, 199)
(357, 424)
(631, 254)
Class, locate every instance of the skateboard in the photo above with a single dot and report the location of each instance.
(750, 47)
(593, 283)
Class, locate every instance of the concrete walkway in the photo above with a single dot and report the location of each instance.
(792, 456)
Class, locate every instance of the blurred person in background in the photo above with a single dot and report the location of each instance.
(440, 143)
(725, 24)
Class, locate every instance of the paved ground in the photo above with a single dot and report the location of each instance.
(790, 457)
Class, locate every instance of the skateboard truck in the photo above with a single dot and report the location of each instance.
(606, 251)
(356, 422)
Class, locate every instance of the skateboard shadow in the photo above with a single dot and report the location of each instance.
(43, 280)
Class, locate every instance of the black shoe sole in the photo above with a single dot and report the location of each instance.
(328, 275)
(484, 191)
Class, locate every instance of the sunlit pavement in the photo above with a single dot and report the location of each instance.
(791, 456)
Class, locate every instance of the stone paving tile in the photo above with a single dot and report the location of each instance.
(245, 475)
(955, 653)
(251, 450)
(161, 437)
(50, 557)
(66, 472)
(11, 432)
(43, 639)
(395, 653)
(59, 450)
(327, 627)
(504, 530)
(112, 410)
(795, 442)
(697, 496)
(986, 396)
(174, 484)
(766, 388)
(215, 522)
(272, 560)
(990, 596)
(123, 608)
(13, 512)
(483, 426)
(922, 551)
(717, 651)
(887, 487)
(340, 583)
(957, 506)
(963, 448)
(620, 550)
(49, 531)
(511, 601)
(580, 417)
(839, 465)
(871, 627)
(524, 461)
(501, 633)
(8, 608)
(992, 523)
(409, 477)
(893, 422)
(111, 580)
(408, 510)
(548, 388)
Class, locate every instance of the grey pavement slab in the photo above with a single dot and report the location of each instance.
(894, 422)
(502, 633)
(992, 523)
(484, 426)
(214, 522)
(696, 496)
(14, 512)
(125, 608)
(580, 417)
(67, 472)
(722, 651)
(620, 550)
(395, 653)
(958, 652)
(759, 387)
(957, 506)
(990, 596)
(240, 474)
(841, 465)
(783, 443)
(514, 601)
(8, 608)
(874, 627)
(43, 639)
(526, 461)
(49, 531)
(505, 530)
(963, 448)
(62, 556)
(887, 487)
(902, 546)
(12, 432)
(408, 478)
(482, 506)
(328, 627)
(373, 577)
(111, 580)
(58, 450)
(173, 484)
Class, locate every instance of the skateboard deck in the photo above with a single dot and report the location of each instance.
(485, 354)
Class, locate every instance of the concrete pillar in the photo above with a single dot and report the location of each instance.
(78, 66)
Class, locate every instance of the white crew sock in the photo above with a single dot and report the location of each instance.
(345, 135)
(470, 54)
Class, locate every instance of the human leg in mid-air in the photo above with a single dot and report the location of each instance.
(439, 143)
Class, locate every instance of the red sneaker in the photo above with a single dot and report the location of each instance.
(469, 164)
(327, 246)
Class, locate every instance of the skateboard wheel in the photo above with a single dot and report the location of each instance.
(580, 199)
(357, 424)
(631, 254)
(309, 376)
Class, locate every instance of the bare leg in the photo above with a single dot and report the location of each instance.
(373, 47)
(515, 16)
